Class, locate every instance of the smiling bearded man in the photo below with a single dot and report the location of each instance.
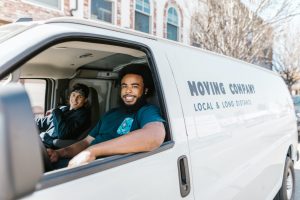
(136, 126)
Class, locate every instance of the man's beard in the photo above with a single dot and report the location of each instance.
(140, 102)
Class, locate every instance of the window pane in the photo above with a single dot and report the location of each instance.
(102, 10)
(146, 6)
(141, 22)
(172, 32)
(107, 17)
(172, 16)
(139, 5)
(143, 6)
(36, 90)
(51, 3)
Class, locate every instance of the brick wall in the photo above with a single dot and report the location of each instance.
(119, 14)
(86, 9)
(131, 17)
(11, 10)
(154, 18)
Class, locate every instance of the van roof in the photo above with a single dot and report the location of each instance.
(99, 24)
(104, 25)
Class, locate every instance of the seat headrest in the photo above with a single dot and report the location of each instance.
(93, 104)
(93, 96)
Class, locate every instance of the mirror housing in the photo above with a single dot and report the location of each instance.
(20, 154)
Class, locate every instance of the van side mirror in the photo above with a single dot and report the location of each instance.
(20, 154)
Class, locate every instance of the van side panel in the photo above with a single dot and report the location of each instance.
(240, 123)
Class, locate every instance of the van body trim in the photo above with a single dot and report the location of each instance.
(59, 177)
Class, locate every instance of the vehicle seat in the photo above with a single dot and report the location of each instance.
(93, 105)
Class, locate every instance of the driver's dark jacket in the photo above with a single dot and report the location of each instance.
(63, 124)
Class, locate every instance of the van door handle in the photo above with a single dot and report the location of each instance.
(184, 176)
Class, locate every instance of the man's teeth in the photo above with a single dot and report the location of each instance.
(129, 97)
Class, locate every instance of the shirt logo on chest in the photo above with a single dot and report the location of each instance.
(125, 126)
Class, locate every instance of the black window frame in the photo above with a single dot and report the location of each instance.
(60, 177)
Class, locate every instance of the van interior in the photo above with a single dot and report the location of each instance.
(49, 75)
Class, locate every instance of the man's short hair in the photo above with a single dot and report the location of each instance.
(81, 88)
(139, 69)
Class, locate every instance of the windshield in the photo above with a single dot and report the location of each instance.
(10, 30)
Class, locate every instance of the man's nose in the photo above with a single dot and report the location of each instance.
(128, 90)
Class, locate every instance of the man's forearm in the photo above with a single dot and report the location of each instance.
(142, 140)
(71, 151)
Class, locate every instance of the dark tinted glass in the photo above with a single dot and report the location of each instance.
(172, 32)
(142, 22)
(102, 10)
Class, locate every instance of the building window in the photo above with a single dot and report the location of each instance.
(102, 10)
(172, 24)
(56, 4)
(36, 90)
(142, 16)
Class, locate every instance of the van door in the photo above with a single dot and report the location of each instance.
(160, 174)
(233, 132)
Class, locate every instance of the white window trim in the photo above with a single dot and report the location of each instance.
(144, 13)
(178, 25)
(35, 3)
(113, 13)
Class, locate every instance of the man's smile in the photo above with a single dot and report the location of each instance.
(129, 97)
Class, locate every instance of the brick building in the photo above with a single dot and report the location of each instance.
(169, 19)
(164, 18)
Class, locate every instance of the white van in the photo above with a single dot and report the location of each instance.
(231, 126)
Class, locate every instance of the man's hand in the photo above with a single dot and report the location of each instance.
(82, 158)
(48, 112)
(53, 155)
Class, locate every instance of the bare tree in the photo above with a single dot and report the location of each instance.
(231, 28)
(286, 58)
(290, 75)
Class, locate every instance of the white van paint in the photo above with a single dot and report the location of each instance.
(233, 121)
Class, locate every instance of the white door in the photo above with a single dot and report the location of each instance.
(153, 175)
(234, 134)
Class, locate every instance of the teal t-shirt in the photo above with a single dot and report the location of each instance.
(118, 122)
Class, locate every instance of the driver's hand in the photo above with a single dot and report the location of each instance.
(82, 158)
(53, 155)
